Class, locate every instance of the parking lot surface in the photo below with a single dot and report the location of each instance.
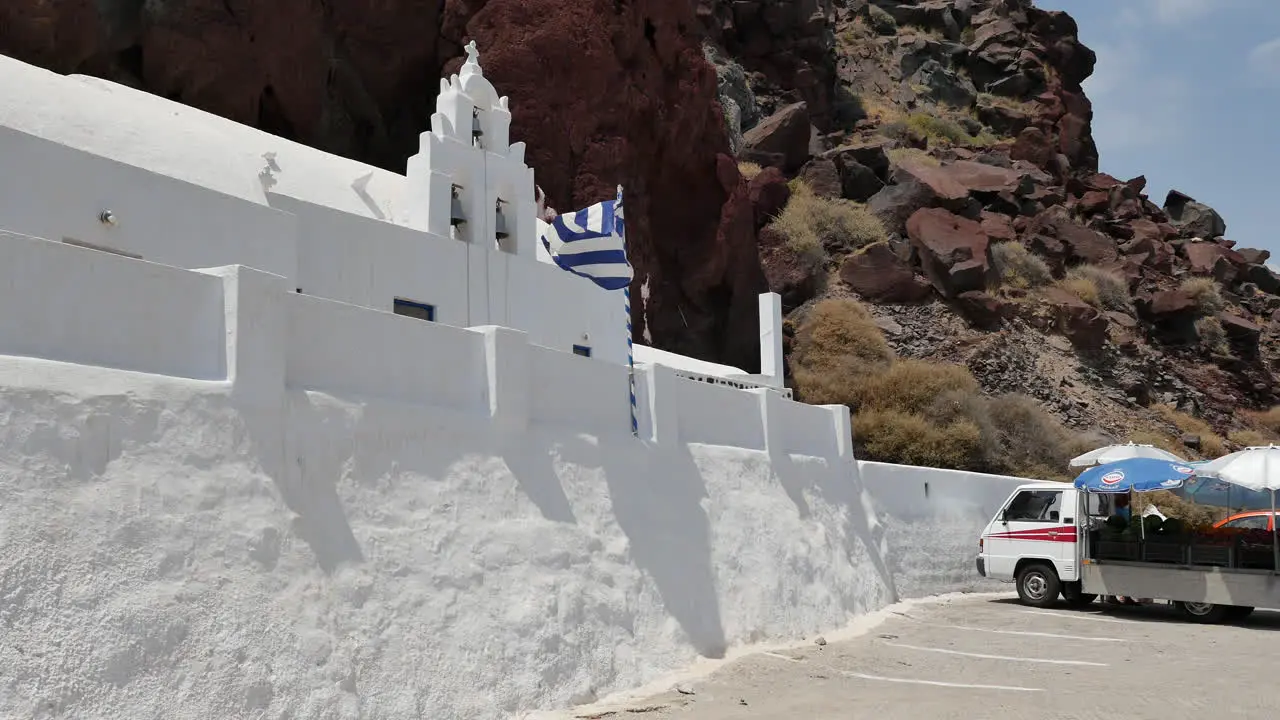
(981, 657)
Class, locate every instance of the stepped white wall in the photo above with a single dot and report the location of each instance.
(296, 507)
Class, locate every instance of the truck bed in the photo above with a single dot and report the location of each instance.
(1188, 583)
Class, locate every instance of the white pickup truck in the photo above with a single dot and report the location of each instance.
(1052, 539)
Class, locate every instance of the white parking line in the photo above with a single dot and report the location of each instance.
(936, 683)
(982, 656)
(1026, 633)
(788, 658)
(1082, 616)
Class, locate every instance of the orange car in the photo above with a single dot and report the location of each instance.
(1251, 520)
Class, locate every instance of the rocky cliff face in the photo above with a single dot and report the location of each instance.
(959, 125)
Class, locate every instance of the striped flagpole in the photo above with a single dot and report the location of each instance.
(631, 359)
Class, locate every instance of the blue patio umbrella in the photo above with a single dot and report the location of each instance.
(1134, 475)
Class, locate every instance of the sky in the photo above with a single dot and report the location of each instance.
(1187, 93)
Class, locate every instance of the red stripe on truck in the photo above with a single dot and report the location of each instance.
(1060, 533)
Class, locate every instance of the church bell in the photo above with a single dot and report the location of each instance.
(500, 223)
(456, 216)
(476, 130)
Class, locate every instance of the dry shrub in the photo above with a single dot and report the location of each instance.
(1111, 290)
(913, 386)
(1205, 293)
(749, 170)
(837, 345)
(812, 224)
(900, 437)
(1211, 444)
(1019, 267)
(1033, 442)
(881, 21)
(1212, 334)
(1081, 287)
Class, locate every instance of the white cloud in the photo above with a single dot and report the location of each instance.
(1264, 61)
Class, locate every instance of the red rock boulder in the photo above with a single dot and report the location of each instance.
(954, 251)
(879, 275)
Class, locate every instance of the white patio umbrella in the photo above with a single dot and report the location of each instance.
(1114, 453)
(1254, 468)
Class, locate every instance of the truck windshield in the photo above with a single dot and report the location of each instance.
(1035, 506)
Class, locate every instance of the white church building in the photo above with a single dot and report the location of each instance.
(455, 241)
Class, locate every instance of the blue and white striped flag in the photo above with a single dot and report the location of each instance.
(592, 243)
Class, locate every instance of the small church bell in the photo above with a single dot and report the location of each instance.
(456, 216)
(500, 223)
(476, 130)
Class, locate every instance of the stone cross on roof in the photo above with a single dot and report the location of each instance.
(473, 54)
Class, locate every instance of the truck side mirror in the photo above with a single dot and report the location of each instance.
(1004, 516)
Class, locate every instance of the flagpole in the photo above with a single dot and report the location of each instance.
(631, 358)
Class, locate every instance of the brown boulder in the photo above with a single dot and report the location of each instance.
(1033, 146)
(822, 177)
(1095, 201)
(946, 190)
(1079, 321)
(1254, 256)
(982, 178)
(1167, 305)
(1264, 277)
(769, 193)
(1086, 245)
(786, 132)
(980, 308)
(870, 154)
(879, 275)
(794, 276)
(998, 227)
(954, 251)
(1153, 253)
(1243, 334)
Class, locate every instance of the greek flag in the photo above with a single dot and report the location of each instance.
(591, 243)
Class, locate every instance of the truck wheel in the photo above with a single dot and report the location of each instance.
(1074, 597)
(1038, 585)
(1237, 613)
(1203, 613)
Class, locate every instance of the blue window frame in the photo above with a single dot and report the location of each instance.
(582, 350)
(410, 308)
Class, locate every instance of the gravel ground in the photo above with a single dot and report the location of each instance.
(988, 657)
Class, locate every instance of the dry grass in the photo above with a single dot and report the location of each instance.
(1210, 331)
(1249, 438)
(1160, 440)
(1206, 294)
(895, 436)
(1019, 267)
(1211, 444)
(938, 129)
(881, 21)
(919, 412)
(836, 347)
(1108, 290)
(1012, 104)
(1268, 421)
(900, 155)
(813, 225)
(912, 386)
(1191, 514)
(749, 170)
(1081, 287)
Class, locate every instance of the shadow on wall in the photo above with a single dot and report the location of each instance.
(657, 499)
(841, 485)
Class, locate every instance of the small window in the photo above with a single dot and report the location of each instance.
(1035, 506)
(582, 350)
(410, 308)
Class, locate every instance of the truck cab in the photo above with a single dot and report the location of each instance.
(1033, 541)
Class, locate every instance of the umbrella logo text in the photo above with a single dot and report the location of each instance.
(1112, 478)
